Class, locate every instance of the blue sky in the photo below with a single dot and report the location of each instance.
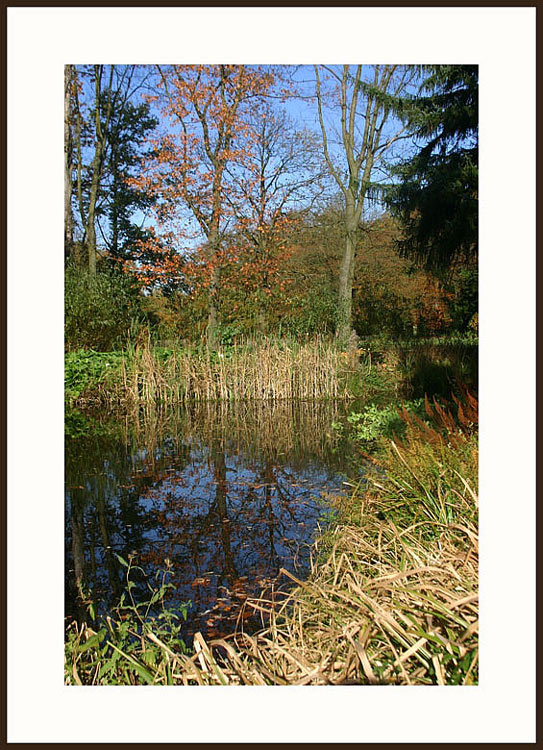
(302, 111)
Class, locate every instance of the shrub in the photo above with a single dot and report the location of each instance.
(87, 369)
(99, 309)
(374, 421)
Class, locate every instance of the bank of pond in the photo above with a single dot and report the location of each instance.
(269, 369)
(272, 540)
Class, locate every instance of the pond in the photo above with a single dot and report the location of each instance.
(225, 495)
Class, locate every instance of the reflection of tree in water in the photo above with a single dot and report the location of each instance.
(224, 494)
(237, 532)
(221, 494)
(105, 477)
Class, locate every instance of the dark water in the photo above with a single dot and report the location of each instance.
(227, 495)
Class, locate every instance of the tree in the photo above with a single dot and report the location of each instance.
(68, 159)
(101, 134)
(279, 177)
(101, 116)
(362, 151)
(436, 198)
(208, 105)
(119, 199)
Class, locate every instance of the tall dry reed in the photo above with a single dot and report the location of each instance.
(270, 370)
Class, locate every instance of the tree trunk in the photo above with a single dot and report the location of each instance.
(262, 316)
(212, 333)
(213, 243)
(91, 227)
(115, 221)
(101, 138)
(68, 150)
(212, 321)
(79, 172)
(346, 275)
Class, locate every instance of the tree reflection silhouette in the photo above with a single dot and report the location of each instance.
(225, 494)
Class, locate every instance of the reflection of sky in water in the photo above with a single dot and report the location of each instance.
(228, 522)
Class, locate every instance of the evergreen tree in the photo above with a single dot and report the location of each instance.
(119, 198)
(436, 198)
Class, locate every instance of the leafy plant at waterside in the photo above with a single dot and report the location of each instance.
(135, 645)
(374, 422)
(88, 368)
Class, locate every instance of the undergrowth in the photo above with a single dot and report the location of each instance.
(133, 644)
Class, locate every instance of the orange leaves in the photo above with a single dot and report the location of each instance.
(206, 108)
(152, 263)
(204, 171)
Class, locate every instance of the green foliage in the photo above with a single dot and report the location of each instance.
(133, 645)
(227, 333)
(381, 310)
(381, 421)
(465, 298)
(164, 316)
(436, 198)
(127, 134)
(314, 313)
(87, 368)
(99, 309)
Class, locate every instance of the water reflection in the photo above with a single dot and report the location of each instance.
(228, 494)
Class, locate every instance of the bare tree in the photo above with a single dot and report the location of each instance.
(68, 157)
(364, 103)
(280, 176)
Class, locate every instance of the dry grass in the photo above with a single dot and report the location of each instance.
(267, 370)
(384, 608)
(395, 613)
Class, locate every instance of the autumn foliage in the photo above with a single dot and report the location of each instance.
(242, 230)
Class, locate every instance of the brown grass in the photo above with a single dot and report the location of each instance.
(269, 370)
(382, 609)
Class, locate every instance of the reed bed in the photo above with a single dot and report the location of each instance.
(270, 370)
(392, 597)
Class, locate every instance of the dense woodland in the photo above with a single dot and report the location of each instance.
(219, 203)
